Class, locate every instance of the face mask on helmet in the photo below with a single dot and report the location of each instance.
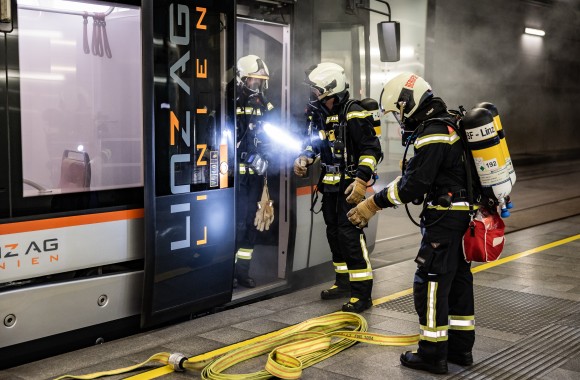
(326, 80)
(402, 96)
(404, 93)
(253, 74)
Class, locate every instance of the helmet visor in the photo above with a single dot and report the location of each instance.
(317, 93)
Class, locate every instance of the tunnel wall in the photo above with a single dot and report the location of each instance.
(476, 51)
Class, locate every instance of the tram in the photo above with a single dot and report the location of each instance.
(117, 171)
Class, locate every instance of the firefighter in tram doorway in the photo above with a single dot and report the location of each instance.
(253, 205)
(443, 283)
(349, 150)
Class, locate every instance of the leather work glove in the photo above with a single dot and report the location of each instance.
(356, 191)
(301, 164)
(363, 212)
(265, 214)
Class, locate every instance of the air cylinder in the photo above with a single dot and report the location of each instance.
(484, 142)
(502, 140)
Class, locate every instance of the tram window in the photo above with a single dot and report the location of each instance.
(5, 16)
(80, 95)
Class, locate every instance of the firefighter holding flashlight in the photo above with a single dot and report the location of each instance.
(349, 151)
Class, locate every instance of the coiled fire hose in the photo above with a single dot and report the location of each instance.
(295, 348)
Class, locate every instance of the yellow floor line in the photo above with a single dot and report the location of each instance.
(158, 372)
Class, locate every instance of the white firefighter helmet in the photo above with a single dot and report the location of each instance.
(252, 66)
(327, 79)
(405, 93)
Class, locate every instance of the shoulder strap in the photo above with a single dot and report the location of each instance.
(467, 159)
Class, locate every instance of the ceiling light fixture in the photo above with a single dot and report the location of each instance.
(535, 32)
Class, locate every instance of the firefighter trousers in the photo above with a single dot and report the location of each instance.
(443, 295)
(348, 245)
(248, 192)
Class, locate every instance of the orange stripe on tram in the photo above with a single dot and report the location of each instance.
(70, 221)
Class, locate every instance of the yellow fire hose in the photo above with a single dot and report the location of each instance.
(294, 349)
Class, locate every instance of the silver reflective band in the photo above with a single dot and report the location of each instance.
(461, 322)
(340, 267)
(361, 274)
(434, 334)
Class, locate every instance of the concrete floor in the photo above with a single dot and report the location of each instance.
(527, 305)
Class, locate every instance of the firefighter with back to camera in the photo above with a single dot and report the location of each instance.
(443, 283)
(349, 150)
(254, 211)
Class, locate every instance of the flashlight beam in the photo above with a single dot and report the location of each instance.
(282, 138)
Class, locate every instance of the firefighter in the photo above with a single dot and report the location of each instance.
(349, 151)
(252, 157)
(443, 283)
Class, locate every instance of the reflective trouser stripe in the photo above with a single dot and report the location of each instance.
(461, 322)
(340, 267)
(362, 274)
(438, 334)
(432, 305)
(432, 332)
(244, 254)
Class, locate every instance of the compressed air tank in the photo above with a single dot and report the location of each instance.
(501, 133)
(372, 106)
(484, 142)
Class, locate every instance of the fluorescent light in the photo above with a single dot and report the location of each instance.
(535, 32)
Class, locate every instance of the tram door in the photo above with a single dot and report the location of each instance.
(189, 196)
(5, 27)
(270, 42)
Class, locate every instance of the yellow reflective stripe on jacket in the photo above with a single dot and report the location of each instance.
(393, 193)
(332, 119)
(249, 111)
(269, 106)
(455, 206)
(357, 115)
(332, 178)
(350, 115)
(244, 169)
(436, 138)
(340, 267)
(369, 161)
(462, 322)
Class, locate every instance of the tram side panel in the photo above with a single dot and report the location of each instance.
(71, 253)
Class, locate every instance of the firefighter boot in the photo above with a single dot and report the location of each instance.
(243, 274)
(461, 358)
(340, 289)
(413, 360)
(357, 305)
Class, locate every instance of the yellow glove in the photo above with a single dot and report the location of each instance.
(356, 191)
(363, 212)
(265, 214)
(300, 165)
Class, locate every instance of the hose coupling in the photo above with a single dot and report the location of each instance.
(176, 360)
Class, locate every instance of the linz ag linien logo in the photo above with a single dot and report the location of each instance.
(17, 255)
(181, 15)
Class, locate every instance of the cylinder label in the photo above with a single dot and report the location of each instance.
(485, 132)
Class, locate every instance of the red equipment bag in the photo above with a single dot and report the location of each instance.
(484, 239)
